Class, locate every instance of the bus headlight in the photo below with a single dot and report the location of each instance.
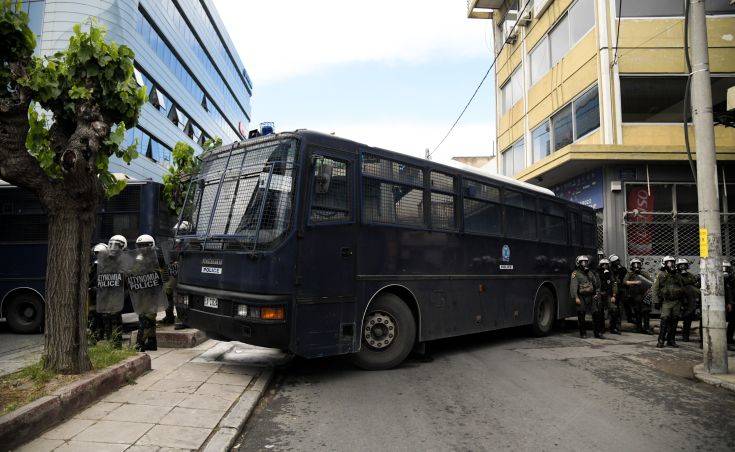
(272, 313)
(242, 310)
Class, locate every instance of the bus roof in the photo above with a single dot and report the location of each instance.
(398, 156)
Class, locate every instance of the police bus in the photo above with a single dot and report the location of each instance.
(322, 246)
(139, 209)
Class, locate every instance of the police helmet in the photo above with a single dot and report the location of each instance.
(666, 259)
(145, 241)
(682, 261)
(117, 242)
(636, 264)
(182, 227)
(726, 266)
(614, 258)
(100, 247)
(582, 258)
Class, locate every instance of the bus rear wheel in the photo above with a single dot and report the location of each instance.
(543, 312)
(24, 313)
(388, 334)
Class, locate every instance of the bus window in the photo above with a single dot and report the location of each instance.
(520, 215)
(392, 192)
(552, 226)
(589, 231)
(482, 212)
(575, 228)
(442, 201)
(330, 199)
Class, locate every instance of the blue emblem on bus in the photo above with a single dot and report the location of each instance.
(506, 253)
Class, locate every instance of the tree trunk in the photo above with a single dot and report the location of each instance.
(67, 282)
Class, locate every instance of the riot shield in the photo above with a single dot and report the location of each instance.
(110, 288)
(144, 281)
(644, 288)
(171, 257)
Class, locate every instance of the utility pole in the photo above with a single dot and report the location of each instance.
(710, 235)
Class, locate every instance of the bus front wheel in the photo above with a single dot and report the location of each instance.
(388, 334)
(24, 313)
(543, 312)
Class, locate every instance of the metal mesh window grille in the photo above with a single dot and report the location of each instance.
(442, 182)
(482, 217)
(392, 192)
(652, 235)
(442, 211)
(520, 215)
(476, 190)
(244, 192)
(330, 191)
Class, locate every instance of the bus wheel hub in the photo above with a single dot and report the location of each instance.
(380, 330)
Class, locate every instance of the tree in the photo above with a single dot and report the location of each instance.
(61, 119)
(184, 165)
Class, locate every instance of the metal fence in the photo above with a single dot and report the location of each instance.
(651, 235)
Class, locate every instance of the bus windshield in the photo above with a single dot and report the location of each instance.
(244, 193)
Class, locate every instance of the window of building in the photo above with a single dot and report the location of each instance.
(539, 59)
(541, 141)
(330, 191)
(559, 40)
(392, 192)
(686, 198)
(581, 19)
(512, 91)
(563, 128)
(669, 8)
(520, 214)
(482, 211)
(660, 98)
(586, 113)
(148, 146)
(442, 201)
(514, 159)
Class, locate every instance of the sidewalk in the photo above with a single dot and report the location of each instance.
(191, 398)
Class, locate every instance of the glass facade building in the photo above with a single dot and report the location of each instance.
(197, 85)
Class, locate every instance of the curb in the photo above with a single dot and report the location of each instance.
(701, 375)
(25, 423)
(168, 338)
(230, 426)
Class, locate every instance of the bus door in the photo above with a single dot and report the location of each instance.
(325, 291)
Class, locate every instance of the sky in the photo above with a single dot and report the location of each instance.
(389, 73)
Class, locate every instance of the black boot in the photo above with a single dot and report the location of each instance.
(582, 325)
(662, 332)
(598, 324)
(615, 322)
(151, 344)
(671, 332)
(730, 332)
(139, 342)
(686, 329)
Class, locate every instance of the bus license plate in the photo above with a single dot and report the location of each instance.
(210, 302)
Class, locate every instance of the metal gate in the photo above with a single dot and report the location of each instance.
(651, 235)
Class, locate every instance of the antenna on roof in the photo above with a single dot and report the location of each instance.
(427, 154)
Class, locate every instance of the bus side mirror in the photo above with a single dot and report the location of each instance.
(322, 176)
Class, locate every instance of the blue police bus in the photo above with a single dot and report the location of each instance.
(321, 246)
(139, 209)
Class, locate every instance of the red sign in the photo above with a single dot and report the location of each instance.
(640, 237)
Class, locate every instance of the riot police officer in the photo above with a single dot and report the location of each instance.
(609, 293)
(146, 339)
(637, 283)
(584, 289)
(619, 271)
(668, 291)
(94, 319)
(112, 322)
(691, 302)
(729, 303)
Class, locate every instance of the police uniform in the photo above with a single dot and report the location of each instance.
(730, 305)
(609, 292)
(94, 319)
(668, 290)
(585, 288)
(691, 303)
(636, 294)
(622, 298)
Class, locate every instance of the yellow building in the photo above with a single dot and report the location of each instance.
(590, 104)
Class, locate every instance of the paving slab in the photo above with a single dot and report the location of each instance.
(40, 445)
(68, 429)
(135, 413)
(206, 402)
(192, 417)
(114, 432)
(98, 410)
(175, 436)
(175, 385)
(84, 446)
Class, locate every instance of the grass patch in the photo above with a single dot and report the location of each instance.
(34, 381)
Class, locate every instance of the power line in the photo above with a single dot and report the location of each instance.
(492, 64)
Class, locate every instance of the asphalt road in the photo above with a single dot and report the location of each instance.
(18, 350)
(501, 391)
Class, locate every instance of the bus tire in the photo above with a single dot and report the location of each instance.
(24, 313)
(388, 334)
(543, 312)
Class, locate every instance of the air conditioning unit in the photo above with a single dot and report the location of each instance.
(510, 31)
(526, 18)
(539, 6)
